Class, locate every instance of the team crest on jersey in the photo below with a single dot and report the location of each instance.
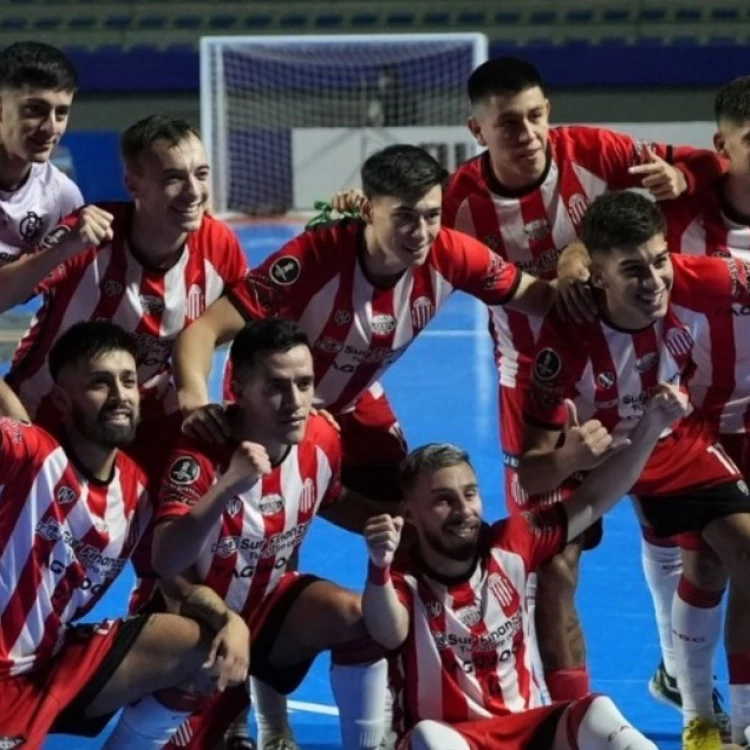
(342, 317)
(195, 302)
(30, 225)
(537, 230)
(66, 495)
(54, 237)
(270, 504)
(433, 609)
(151, 304)
(383, 324)
(112, 288)
(502, 589)
(285, 270)
(422, 311)
(547, 365)
(606, 379)
(307, 498)
(185, 471)
(678, 341)
(8, 743)
(469, 616)
(329, 345)
(646, 362)
(577, 206)
(234, 506)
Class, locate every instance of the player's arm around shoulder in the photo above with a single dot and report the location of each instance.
(385, 614)
(707, 284)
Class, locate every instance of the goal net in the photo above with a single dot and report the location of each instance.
(289, 119)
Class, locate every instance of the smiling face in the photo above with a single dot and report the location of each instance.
(636, 282)
(515, 130)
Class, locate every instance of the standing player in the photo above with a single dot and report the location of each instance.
(645, 333)
(525, 197)
(362, 291)
(73, 509)
(456, 610)
(231, 515)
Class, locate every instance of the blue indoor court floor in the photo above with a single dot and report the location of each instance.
(444, 389)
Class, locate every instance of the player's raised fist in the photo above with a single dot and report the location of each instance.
(667, 405)
(249, 463)
(383, 535)
(93, 228)
(347, 201)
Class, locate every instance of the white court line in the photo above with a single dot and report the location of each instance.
(313, 708)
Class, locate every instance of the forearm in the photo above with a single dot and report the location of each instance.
(178, 543)
(10, 404)
(605, 486)
(192, 357)
(574, 257)
(386, 618)
(18, 279)
(544, 471)
(533, 297)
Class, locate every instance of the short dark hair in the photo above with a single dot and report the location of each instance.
(733, 101)
(401, 171)
(86, 341)
(263, 337)
(38, 65)
(142, 135)
(429, 457)
(621, 219)
(502, 76)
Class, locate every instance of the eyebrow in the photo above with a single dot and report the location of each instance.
(469, 486)
(636, 263)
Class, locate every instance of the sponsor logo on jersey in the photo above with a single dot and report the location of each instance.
(152, 304)
(577, 206)
(383, 324)
(342, 317)
(547, 365)
(307, 498)
(329, 345)
(54, 236)
(646, 362)
(8, 743)
(469, 616)
(100, 525)
(270, 504)
(422, 311)
(285, 270)
(66, 495)
(49, 530)
(606, 379)
(678, 341)
(537, 229)
(30, 225)
(185, 471)
(225, 547)
(112, 288)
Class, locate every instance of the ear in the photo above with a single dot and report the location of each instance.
(720, 143)
(406, 513)
(365, 210)
(473, 124)
(597, 279)
(60, 400)
(548, 105)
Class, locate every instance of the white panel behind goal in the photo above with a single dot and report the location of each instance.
(289, 119)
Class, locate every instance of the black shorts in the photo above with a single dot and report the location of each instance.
(669, 515)
(73, 719)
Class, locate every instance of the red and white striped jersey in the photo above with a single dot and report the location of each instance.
(112, 282)
(356, 329)
(705, 224)
(467, 655)
(247, 552)
(533, 227)
(64, 537)
(28, 213)
(610, 373)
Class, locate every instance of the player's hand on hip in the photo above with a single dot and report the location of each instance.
(209, 423)
(249, 463)
(667, 405)
(575, 297)
(589, 444)
(663, 180)
(383, 535)
(347, 201)
(93, 228)
(229, 658)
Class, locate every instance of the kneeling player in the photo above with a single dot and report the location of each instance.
(457, 611)
(231, 516)
(73, 509)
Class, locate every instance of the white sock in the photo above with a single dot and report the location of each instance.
(270, 711)
(662, 568)
(433, 735)
(146, 724)
(360, 691)
(697, 630)
(603, 727)
(739, 697)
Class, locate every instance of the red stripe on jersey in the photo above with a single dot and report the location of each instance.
(224, 563)
(646, 349)
(605, 376)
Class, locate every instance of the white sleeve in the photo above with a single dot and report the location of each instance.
(70, 197)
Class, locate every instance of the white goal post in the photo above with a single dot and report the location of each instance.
(289, 119)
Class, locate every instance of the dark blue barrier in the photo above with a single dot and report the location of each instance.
(96, 165)
(575, 64)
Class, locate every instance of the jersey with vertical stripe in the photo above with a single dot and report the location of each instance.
(246, 554)
(705, 224)
(28, 213)
(532, 227)
(357, 329)
(64, 538)
(112, 282)
(611, 373)
(468, 653)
